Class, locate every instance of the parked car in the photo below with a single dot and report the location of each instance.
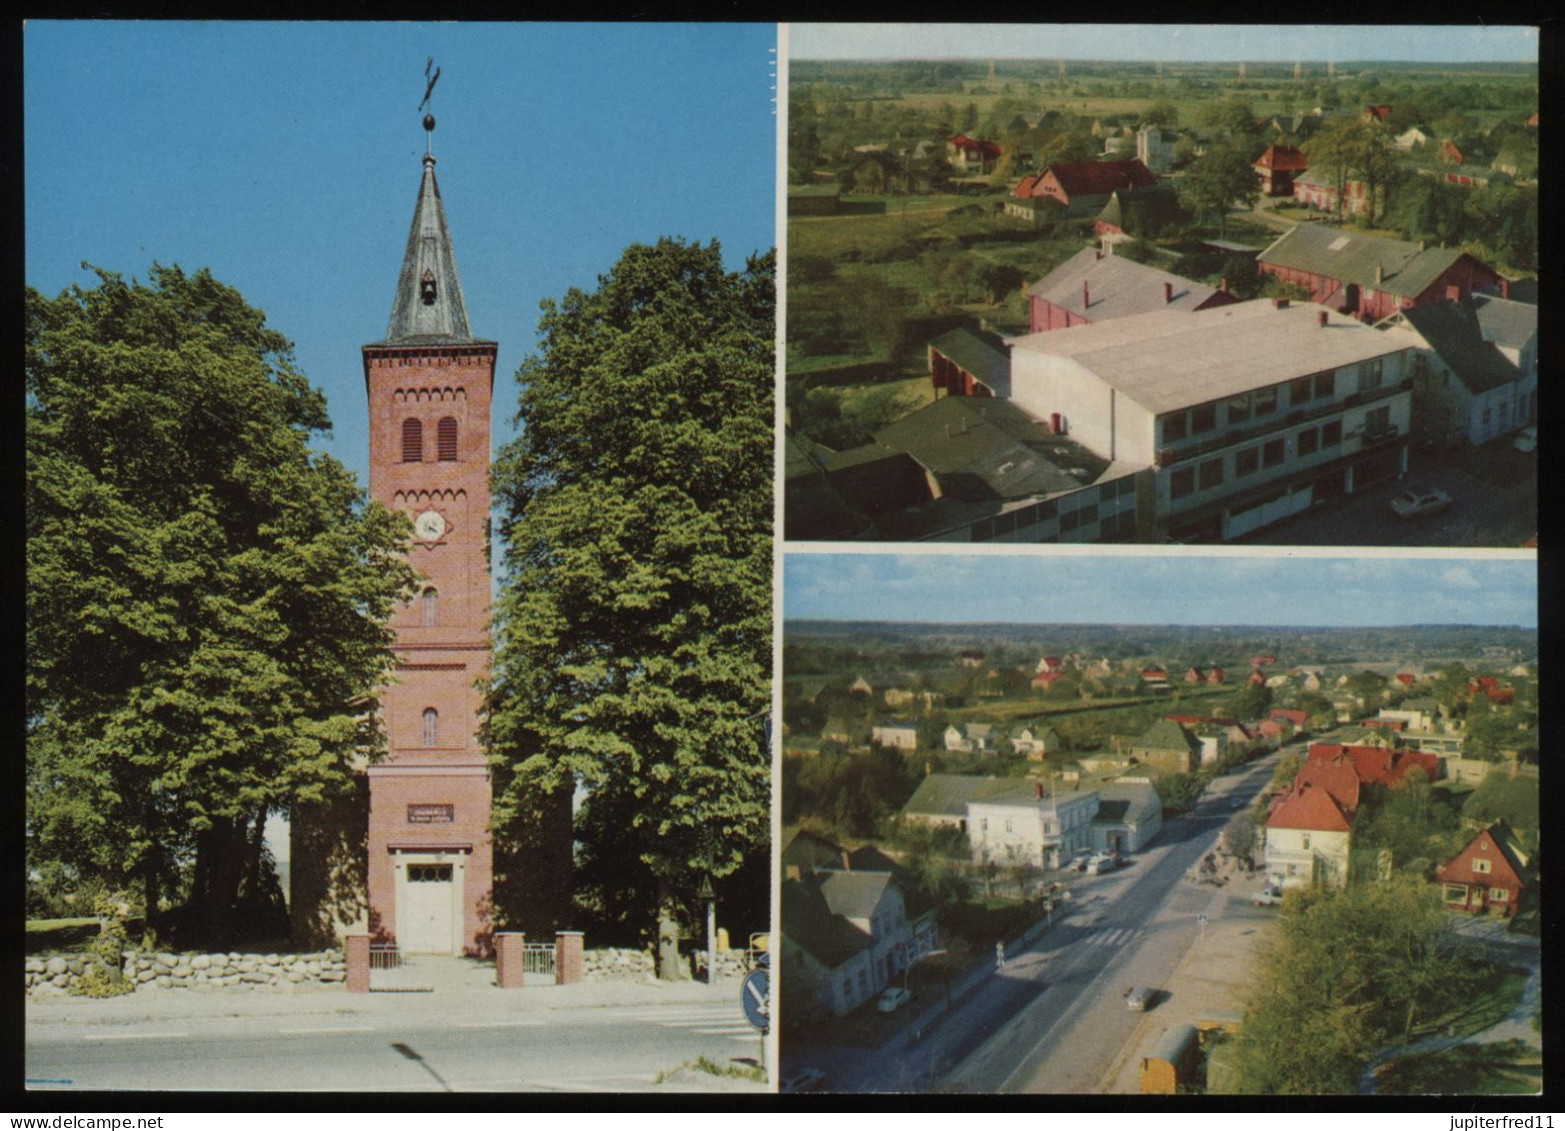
(804, 1080)
(1077, 863)
(1267, 897)
(1139, 999)
(1526, 439)
(893, 999)
(1100, 864)
(1417, 501)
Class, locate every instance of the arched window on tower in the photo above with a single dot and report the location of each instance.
(429, 607)
(412, 440)
(445, 439)
(431, 727)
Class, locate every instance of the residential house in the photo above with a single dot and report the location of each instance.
(804, 851)
(1377, 113)
(1029, 822)
(1375, 765)
(1092, 287)
(1372, 277)
(1167, 746)
(1490, 873)
(1244, 414)
(846, 933)
(1307, 838)
(941, 799)
(1036, 743)
(1213, 743)
(971, 738)
(1318, 189)
(1083, 187)
(1129, 815)
(971, 156)
(1155, 147)
(1277, 168)
(1464, 386)
(1290, 715)
(970, 658)
(899, 734)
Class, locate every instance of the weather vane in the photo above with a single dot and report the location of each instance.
(429, 88)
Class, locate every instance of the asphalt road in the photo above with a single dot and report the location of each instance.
(608, 1049)
(1054, 1019)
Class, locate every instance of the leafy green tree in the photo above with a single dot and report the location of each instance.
(1217, 182)
(1232, 115)
(633, 626)
(1160, 113)
(1251, 702)
(1067, 146)
(1348, 971)
(206, 599)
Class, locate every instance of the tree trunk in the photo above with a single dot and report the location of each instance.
(225, 843)
(668, 964)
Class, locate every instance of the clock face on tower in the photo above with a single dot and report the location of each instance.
(429, 526)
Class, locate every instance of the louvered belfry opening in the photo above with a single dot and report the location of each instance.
(412, 440)
(445, 439)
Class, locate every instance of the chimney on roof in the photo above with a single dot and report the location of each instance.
(1453, 292)
(928, 769)
(1505, 288)
(1037, 790)
(1420, 245)
(847, 865)
(1222, 284)
(1086, 299)
(1380, 274)
(1322, 317)
(1168, 292)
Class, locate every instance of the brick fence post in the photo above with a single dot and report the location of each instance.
(357, 949)
(509, 959)
(567, 957)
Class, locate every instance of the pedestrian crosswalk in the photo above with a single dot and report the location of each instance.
(1113, 937)
(702, 1020)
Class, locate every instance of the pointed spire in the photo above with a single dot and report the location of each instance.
(428, 306)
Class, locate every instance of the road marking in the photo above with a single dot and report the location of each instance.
(329, 1029)
(500, 1024)
(135, 1036)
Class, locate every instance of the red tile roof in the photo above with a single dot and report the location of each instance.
(1308, 806)
(1337, 778)
(1374, 765)
(1282, 158)
(1297, 718)
(1099, 178)
(1024, 187)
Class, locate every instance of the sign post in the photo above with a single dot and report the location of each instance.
(755, 998)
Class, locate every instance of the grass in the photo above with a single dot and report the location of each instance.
(1503, 1068)
(888, 401)
(1491, 1003)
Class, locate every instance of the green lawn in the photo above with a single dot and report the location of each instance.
(1492, 1002)
(1502, 1068)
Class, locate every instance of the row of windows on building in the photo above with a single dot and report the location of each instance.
(1316, 387)
(1247, 461)
(413, 440)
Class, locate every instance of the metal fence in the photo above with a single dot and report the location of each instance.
(384, 956)
(538, 958)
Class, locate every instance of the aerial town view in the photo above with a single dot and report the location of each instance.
(1132, 825)
(1177, 285)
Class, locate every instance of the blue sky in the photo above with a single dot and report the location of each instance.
(286, 157)
(1227, 589)
(1168, 43)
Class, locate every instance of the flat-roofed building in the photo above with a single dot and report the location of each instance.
(1245, 413)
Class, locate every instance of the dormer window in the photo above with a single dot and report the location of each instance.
(426, 287)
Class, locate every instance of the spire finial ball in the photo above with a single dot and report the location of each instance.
(429, 122)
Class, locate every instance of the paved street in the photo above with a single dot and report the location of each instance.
(1484, 511)
(1054, 1019)
(525, 1040)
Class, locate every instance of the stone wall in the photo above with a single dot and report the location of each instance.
(159, 970)
(615, 964)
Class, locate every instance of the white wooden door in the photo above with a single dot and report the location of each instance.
(424, 919)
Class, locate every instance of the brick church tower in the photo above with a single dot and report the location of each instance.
(429, 383)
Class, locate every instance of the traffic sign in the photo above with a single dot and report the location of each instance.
(755, 998)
